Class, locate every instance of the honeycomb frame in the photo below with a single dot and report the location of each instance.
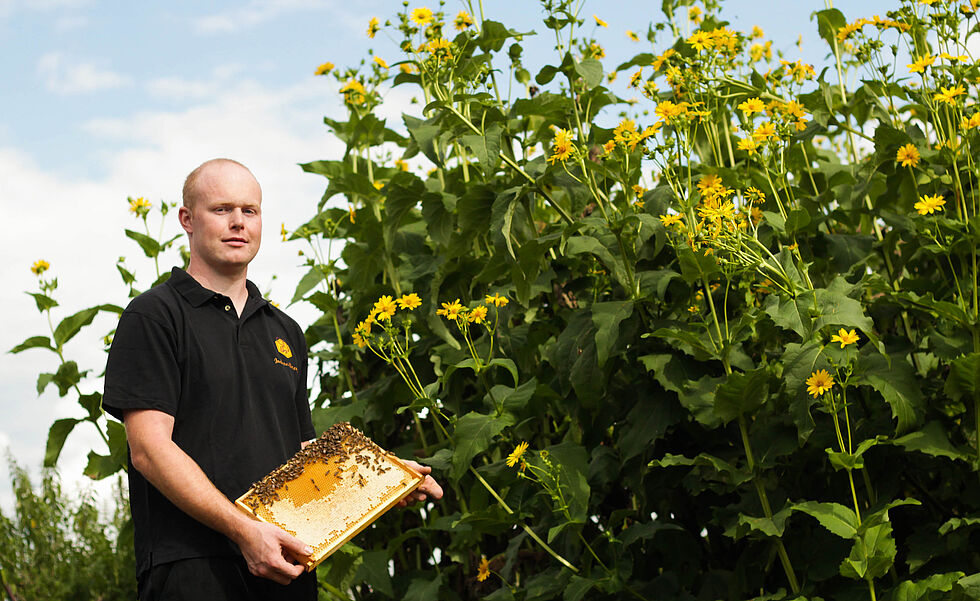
(331, 490)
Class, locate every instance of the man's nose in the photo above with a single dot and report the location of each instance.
(237, 219)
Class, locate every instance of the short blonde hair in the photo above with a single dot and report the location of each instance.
(189, 192)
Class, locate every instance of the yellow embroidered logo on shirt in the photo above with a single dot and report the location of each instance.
(283, 348)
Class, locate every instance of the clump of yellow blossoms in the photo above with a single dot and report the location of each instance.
(40, 266)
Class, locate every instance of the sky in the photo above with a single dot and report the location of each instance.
(105, 100)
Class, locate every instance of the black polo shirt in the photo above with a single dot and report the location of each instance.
(236, 387)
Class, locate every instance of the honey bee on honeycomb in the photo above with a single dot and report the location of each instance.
(313, 495)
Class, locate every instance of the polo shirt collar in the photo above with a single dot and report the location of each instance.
(197, 295)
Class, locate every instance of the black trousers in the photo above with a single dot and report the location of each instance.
(219, 579)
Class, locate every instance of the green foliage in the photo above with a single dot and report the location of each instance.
(60, 547)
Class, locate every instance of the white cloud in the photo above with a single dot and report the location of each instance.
(183, 90)
(252, 14)
(65, 75)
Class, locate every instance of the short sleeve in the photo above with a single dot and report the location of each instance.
(142, 371)
(302, 399)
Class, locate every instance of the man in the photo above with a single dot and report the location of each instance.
(210, 381)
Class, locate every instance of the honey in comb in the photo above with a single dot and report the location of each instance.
(330, 490)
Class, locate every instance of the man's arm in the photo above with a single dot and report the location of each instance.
(175, 474)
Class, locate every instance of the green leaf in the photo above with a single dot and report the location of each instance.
(590, 70)
(33, 342)
(92, 403)
(919, 590)
(970, 585)
(931, 440)
(790, 313)
(473, 434)
(829, 21)
(313, 277)
(506, 364)
(897, 383)
(696, 266)
(577, 586)
(850, 461)
(101, 466)
(796, 220)
(953, 524)
(67, 376)
(799, 361)
(70, 325)
(837, 308)
(151, 248)
(424, 590)
(486, 147)
(374, 571)
(964, 378)
(57, 434)
(772, 527)
(606, 317)
(573, 460)
(494, 35)
(43, 302)
(741, 393)
(718, 468)
(838, 519)
(872, 554)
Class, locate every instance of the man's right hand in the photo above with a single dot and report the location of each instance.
(273, 553)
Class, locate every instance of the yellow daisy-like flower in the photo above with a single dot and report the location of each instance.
(623, 132)
(669, 110)
(354, 92)
(401, 164)
(819, 382)
(421, 16)
(441, 44)
(385, 307)
(496, 300)
(757, 32)
(765, 131)
(463, 20)
(562, 147)
(701, 40)
(352, 213)
(283, 232)
(844, 337)
(516, 454)
(373, 27)
(929, 204)
(670, 219)
(632, 35)
(597, 51)
(381, 62)
(639, 190)
(752, 105)
(948, 95)
(694, 14)
(139, 206)
(748, 144)
(323, 69)
(919, 66)
(478, 315)
(409, 301)
(908, 156)
(483, 572)
(359, 340)
(600, 22)
(407, 68)
(40, 267)
(451, 310)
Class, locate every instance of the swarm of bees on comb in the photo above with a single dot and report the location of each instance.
(330, 490)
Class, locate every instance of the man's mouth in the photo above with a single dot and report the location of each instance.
(235, 241)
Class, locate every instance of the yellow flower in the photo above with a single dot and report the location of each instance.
(463, 20)
(844, 337)
(632, 35)
(401, 164)
(624, 131)
(421, 16)
(920, 65)
(929, 204)
(701, 40)
(381, 62)
(757, 32)
(451, 310)
(562, 147)
(324, 69)
(747, 144)
(639, 190)
(516, 454)
(950, 57)
(670, 219)
(359, 340)
(660, 60)
(948, 95)
(908, 156)
(668, 110)
(752, 105)
(477, 315)
(409, 301)
(139, 206)
(496, 300)
(483, 572)
(283, 232)
(600, 22)
(373, 27)
(609, 146)
(407, 68)
(385, 307)
(441, 44)
(352, 213)
(354, 92)
(694, 14)
(40, 267)
(765, 131)
(819, 382)
(597, 51)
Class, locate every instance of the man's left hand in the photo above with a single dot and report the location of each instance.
(428, 488)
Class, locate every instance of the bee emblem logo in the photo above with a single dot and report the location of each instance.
(283, 348)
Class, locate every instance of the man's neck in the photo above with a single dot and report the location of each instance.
(231, 285)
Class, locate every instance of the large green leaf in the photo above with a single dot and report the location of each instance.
(964, 378)
(33, 342)
(590, 70)
(374, 571)
(872, 554)
(840, 520)
(70, 325)
(606, 317)
(919, 590)
(151, 248)
(896, 382)
(486, 147)
(931, 440)
(473, 434)
(57, 434)
(43, 302)
(741, 393)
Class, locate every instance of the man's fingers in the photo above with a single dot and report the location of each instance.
(431, 487)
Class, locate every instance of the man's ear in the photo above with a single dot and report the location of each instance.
(186, 219)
